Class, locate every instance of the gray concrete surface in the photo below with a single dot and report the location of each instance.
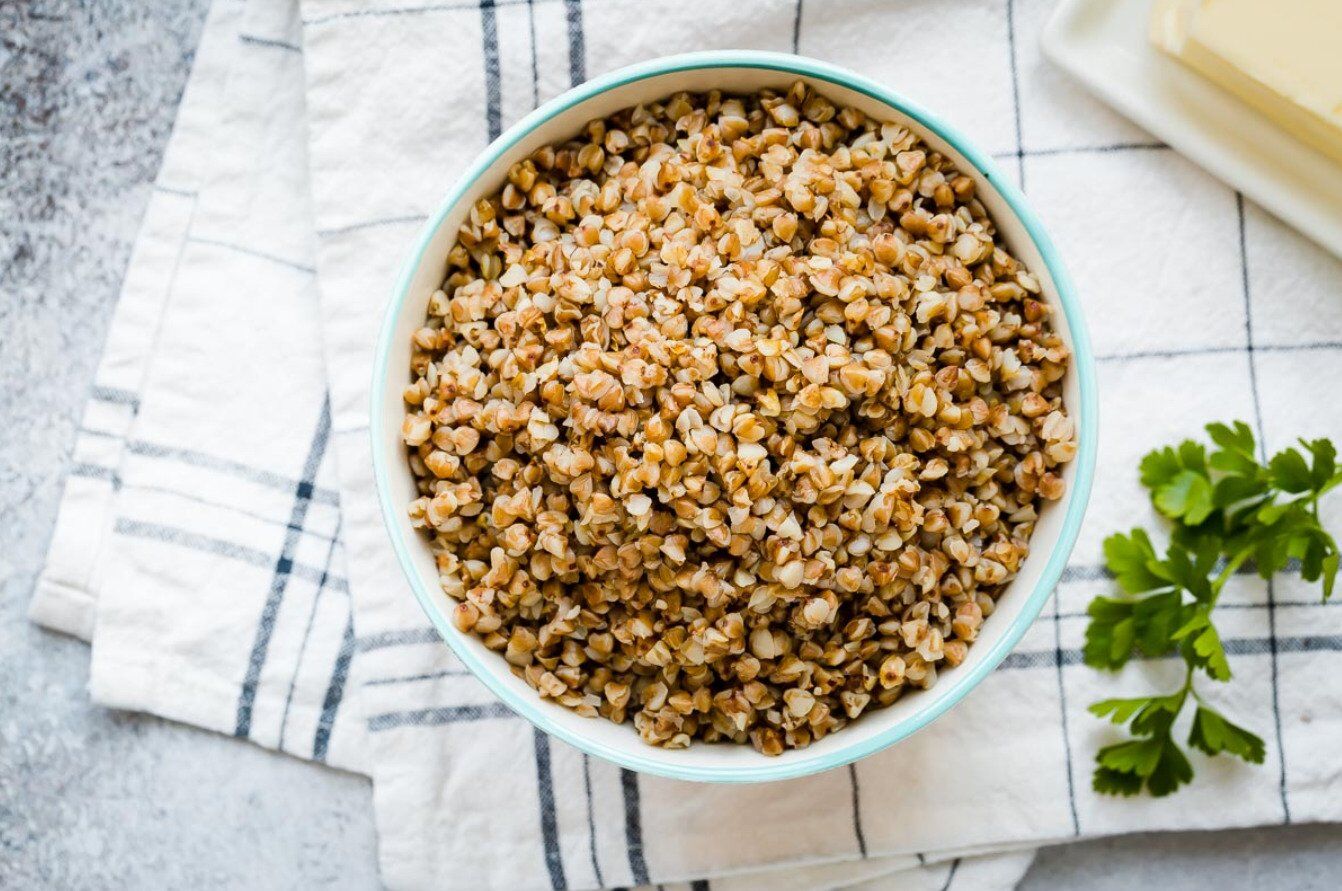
(94, 799)
(1292, 858)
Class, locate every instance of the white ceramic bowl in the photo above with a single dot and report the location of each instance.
(735, 72)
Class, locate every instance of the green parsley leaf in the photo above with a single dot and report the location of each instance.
(1237, 440)
(1209, 654)
(1172, 770)
(1272, 511)
(1115, 782)
(1188, 566)
(1323, 465)
(1154, 619)
(1212, 733)
(1131, 558)
(1271, 550)
(1157, 762)
(1290, 473)
(1157, 716)
(1110, 634)
(1179, 482)
(1119, 711)
(1159, 467)
(1311, 546)
(1231, 491)
(1199, 619)
(1193, 456)
(1187, 496)
(1136, 756)
(1203, 648)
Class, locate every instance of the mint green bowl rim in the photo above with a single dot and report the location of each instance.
(533, 708)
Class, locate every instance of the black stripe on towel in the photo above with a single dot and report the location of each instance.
(252, 252)
(256, 40)
(265, 627)
(95, 472)
(1062, 716)
(335, 692)
(116, 397)
(591, 819)
(489, 41)
(307, 634)
(424, 676)
(545, 789)
(434, 717)
(535, 62)
(220, 548)
(227, 466)
(577, 42)
(1015, 94)
(950, 875)
(397, 638)
(857, 811)
(1262, 452)
(633, 827)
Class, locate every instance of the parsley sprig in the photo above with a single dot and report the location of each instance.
(1226, 509)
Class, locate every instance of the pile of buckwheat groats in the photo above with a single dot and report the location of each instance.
(732, 417)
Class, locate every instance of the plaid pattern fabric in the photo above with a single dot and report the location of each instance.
(219, 520)
(183, 497)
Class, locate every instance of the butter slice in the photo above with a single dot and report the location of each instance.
(1283, 57)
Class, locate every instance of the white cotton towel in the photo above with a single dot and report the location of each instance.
(220, 519)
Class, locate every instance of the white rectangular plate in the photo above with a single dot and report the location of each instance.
(1104, 44)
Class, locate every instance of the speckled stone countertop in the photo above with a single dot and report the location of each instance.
(95, 799)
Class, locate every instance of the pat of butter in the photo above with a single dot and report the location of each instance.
(1283, 57)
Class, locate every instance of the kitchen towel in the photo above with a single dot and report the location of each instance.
(219, 521)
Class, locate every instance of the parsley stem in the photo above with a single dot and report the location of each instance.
(1233, 564)
(1191, 689)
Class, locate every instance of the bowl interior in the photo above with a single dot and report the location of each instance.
(565, 116)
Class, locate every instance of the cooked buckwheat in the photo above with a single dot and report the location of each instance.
(733, 417)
